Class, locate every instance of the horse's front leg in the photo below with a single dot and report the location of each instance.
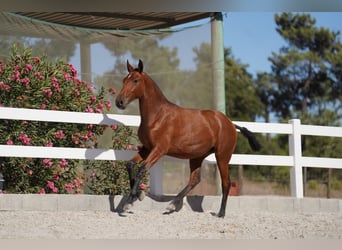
(148, 162)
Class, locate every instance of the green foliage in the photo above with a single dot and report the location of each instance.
(110, 177)
(282, 175)
(242, 102)
(301, 71)
(313, 184)
(33, 82)
(336, 184)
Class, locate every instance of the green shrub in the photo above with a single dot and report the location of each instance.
(336, 184)
(313, 185)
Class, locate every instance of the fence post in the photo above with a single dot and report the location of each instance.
(295, 148)
(156, 178)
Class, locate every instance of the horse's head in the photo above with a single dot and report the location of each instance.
(133, 86)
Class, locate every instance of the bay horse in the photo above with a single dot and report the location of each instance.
(168, 129)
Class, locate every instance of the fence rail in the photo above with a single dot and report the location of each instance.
(294, 129)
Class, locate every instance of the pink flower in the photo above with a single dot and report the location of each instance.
(92, 175)
(114, 127)
(73, 70)
(100, 106)
(56, 177)
(143, 186)
(9, 142)
(108, 105)
(50, 184)
(89, 109)
(59, 134)
(89, 133)
(90, 88)
(76, 92)
(42, 191)
(43, 106)
(30, 172)
(93, 99)
(48, 162)
(63, 163)
(16, 75)
(26, 81)
(67, 77)
(69, 186)
(38, 75)
(28, 67)
(47, 92)
(24, 138)
(55, 84)
(4, 86)
(76, 183)
(36, 59)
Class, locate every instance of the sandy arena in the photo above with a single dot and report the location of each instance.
(153, 224)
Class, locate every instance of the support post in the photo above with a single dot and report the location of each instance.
(85, 54)
(295, 148)
(217, 58)
(217, 55)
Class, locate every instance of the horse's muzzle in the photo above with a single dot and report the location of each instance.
(120, 103)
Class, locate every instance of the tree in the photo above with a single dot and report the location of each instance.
(242, 102)
(53, 49)
(306, 78)
(301, 69)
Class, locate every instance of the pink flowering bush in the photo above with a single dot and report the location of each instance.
(33, 82)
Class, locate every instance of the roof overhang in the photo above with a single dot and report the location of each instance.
(92, 26)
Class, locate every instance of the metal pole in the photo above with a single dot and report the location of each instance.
(217, 58)
(85, 61)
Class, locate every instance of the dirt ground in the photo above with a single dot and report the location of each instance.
(185, 224)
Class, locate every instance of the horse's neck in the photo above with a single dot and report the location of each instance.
(152, 101)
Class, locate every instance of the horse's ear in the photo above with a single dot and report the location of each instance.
(129, 67)
(140, 66)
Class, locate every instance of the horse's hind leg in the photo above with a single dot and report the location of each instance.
(195, 178)
(225, 183)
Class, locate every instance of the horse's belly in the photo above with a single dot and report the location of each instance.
(190, 151)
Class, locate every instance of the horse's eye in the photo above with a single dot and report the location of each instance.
(135, 81)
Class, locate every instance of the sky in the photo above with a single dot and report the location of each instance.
(250, 35)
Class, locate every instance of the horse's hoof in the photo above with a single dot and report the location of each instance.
(171, 207)
(141, 195)
(127, 207)
(218, 215)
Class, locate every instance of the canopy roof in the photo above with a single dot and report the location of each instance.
(92, 26)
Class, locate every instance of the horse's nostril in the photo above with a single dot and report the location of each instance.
(119, 103)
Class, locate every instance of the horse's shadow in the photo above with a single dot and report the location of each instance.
(194, 202)
(119, 209)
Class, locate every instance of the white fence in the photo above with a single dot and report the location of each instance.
(294, 129)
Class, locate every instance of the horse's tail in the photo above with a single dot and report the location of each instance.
(255, 145)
